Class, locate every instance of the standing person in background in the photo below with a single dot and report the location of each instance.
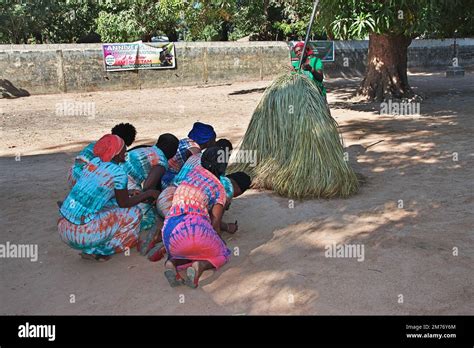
(99, 217)
(312, 66)
(199, 138)
(126, 131)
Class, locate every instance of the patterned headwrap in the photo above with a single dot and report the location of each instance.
(309, 51)
(229, 188)
(108, 147)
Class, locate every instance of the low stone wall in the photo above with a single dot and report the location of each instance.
(79, 67)
(41, 69)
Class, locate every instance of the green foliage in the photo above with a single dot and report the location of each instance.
(452, 18)
(355, 19)
(140, 19)
(37, 21)
(294, 18)
(46, 21)
(117, 27)
(209, 20)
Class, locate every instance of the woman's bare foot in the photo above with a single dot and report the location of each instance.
(195, 272)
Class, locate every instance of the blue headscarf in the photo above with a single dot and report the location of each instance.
(202, 133)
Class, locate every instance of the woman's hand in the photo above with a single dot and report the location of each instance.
(232, 227)
(153, 195)
(132, 193)
(216, 217)
(124, 200)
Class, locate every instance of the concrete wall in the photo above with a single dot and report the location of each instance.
(79, 67)
(423, 55)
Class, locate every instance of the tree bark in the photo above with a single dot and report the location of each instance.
(172, 34)
(386, 75)
(224, 32)
(146, 37)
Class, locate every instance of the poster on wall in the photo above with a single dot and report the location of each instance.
(323, 49)
(138, 55)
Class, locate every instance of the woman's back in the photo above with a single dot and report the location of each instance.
(197, 193)
(94, 190)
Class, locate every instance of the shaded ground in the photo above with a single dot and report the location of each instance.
(281, 266)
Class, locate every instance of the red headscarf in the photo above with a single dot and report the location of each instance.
(108, 147)
(300, 44)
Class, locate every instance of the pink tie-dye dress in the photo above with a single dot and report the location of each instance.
(187, 232)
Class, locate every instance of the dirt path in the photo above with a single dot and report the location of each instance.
(281, 266)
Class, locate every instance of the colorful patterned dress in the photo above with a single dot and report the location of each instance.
(84, 157)
(91, 219)
(165, 200)
(138, 166)
(187, 232)
(177, 161)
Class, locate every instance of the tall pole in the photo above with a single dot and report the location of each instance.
(308, 31)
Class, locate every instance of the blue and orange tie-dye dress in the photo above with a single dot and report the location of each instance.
(91, 219)
(84, 157)
(138, 166)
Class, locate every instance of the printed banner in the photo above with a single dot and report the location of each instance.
(323, 49)
(138, 55)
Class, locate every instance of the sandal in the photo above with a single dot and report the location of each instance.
(190, 279)
(92, 257)
(157, 253)
(174, 279)
(146, 244)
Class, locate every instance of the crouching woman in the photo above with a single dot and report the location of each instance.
(191, 231)
(99, 217)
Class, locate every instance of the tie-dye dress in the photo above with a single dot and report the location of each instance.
(163, 204)
(84, 157)
(138, 166)
(187, 232)
(177, 161)
(91, 219)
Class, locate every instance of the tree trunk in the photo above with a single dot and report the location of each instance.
(386, 75)
(172, 34)
(224, 32)
(146, 37)
(267, 26)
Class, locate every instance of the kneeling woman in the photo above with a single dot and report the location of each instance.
(98, 216)
(191, 231)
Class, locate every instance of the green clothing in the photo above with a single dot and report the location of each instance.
(316, 64)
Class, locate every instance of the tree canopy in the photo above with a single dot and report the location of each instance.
(63, 21)
(355, 19)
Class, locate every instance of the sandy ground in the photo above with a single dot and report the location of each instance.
(281, 266)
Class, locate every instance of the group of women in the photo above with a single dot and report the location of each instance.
(168, 199)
